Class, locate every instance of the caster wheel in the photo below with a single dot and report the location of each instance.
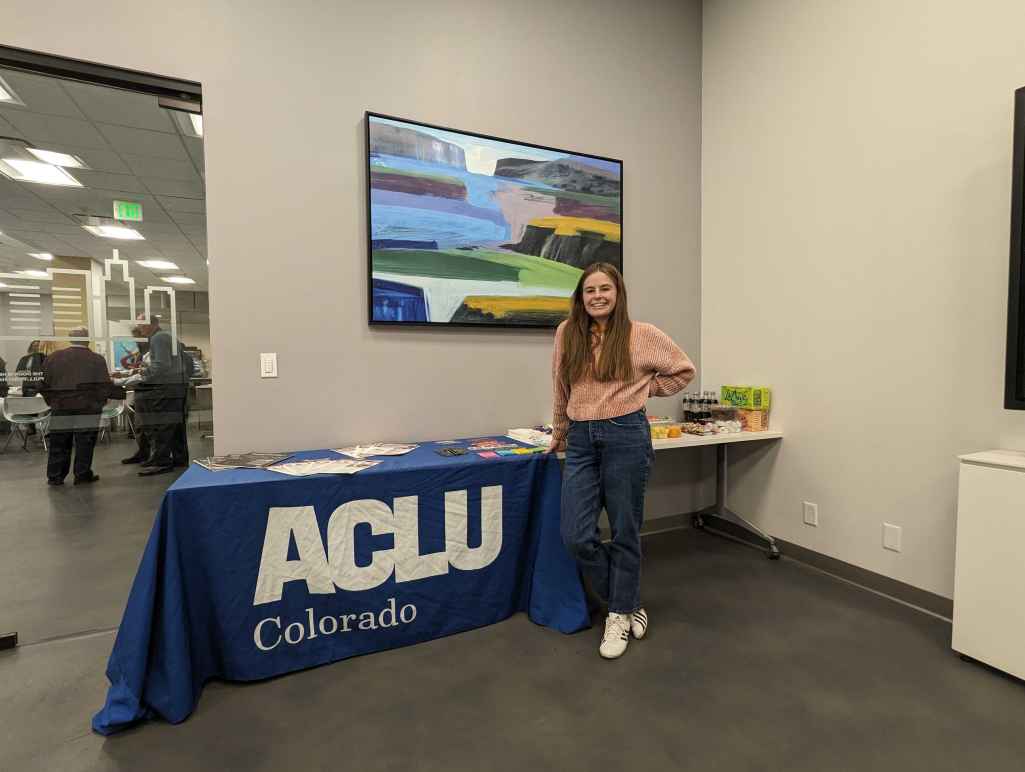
(774, 553)
(698, 521)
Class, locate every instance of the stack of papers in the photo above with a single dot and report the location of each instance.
(531, 436)
(376, 449)
(241, 461)
(323, 466)
(490, 443)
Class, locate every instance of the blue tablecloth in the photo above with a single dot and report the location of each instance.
(250, 573)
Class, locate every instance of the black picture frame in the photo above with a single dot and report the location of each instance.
(371, 321)
(1014, 384)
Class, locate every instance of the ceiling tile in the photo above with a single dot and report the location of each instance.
(42, 129)
(6, 127)
(189, 219)
(177, 204)
(122, 108)
(195, 147)
(170, 187)
(98, 160)
(142, 142)
(33, 216)
(41, 94)
(122, 183)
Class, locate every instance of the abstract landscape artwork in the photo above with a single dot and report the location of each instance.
(470, 230)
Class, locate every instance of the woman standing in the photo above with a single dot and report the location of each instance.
(604, 369)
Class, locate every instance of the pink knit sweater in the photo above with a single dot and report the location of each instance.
(661, 369)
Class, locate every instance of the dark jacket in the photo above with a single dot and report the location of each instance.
(77, 379)
(30, 370)
(166, 367)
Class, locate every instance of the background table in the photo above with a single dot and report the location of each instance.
(192, 614)
(720, 509)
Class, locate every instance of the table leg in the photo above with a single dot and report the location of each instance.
(723, 512)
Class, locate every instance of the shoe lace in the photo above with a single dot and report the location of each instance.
(616, 627)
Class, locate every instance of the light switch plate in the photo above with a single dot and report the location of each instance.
(811, 513)
(891, 537)
(268, 365)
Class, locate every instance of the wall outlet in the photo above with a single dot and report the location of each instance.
(811, 513)
(891, 537)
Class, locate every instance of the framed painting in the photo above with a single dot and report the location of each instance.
(472, 230)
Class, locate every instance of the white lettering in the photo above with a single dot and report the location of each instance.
(390, 610)
(409, 563)
(275, 567)
(322, 574)
(299, 631)
(457, 529)
(312, 631)
(342, 544)
(258, 638)
(298, 636)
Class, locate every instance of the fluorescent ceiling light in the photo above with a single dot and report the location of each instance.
(158, 265)
(35, 274)
(115, 232)
(197, 123)
(20, 286)
(179, 280)
(41, 255)
(37, 171)
(54, 158)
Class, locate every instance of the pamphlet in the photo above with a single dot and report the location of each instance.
(241, 461)
(323, 466)
(376, 449)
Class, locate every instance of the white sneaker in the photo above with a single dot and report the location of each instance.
(616, 637)
(639, 623)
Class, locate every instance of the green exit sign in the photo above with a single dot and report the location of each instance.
(127, 210)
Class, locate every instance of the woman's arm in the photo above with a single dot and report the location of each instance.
(673, 368)
(560, 397)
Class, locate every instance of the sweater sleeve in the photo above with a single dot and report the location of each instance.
(673, 368)
(560, 393)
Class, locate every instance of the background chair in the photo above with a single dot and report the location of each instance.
(26, 411)
(113, 410)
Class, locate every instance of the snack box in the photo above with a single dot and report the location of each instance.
(754, 420)
(746, 397)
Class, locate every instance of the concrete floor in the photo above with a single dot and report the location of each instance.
(749, 665)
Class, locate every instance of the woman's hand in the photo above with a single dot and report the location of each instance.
(556, 447)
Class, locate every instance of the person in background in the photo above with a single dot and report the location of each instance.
(30, 369)
(75, 385)
(30, 372)
(165, 381)
(604, 368)
(3, 378)
(140, 404)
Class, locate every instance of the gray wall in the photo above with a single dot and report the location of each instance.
(856, 201)
(285, 87)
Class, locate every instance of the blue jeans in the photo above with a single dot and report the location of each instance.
(607, 465)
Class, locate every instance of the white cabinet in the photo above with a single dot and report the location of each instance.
(989, 573)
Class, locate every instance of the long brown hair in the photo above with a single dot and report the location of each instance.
(577, 358)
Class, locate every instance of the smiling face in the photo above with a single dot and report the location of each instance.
(599, 294)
